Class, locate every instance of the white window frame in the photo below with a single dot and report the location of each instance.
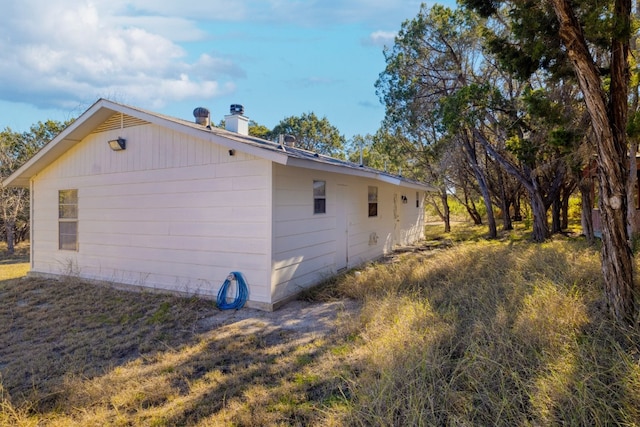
(372, 198)
(68, 220)
(319, 197)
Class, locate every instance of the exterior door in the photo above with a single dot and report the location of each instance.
(396, 220)
(342, 228)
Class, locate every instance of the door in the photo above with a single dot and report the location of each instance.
(396, 220)
(342, 228)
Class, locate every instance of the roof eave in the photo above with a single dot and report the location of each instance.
(365, 173)
(101, 111)
(66, 139)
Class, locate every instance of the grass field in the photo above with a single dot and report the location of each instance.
(14, 266)
(457, 331)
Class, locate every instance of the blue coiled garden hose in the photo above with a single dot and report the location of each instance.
(242, 291)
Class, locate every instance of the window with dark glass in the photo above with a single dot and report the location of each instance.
(68, 220)
(373, 201)
(319, 197)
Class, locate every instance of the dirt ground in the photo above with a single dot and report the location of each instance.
(301, 317)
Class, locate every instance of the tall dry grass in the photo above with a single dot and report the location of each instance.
(491, 333)
(460, 332)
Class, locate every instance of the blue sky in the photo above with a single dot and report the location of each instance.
(278, 58)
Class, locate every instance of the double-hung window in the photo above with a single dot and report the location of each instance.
(319, 197)
(68, 220)
(373, 201)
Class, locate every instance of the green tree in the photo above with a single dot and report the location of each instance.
(15, 149)
(582, 28)
(312, 134)
(255, 129)
(258, 130)
(435, 55)
(363, 150)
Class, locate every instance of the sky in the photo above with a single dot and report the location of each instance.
(278, 58)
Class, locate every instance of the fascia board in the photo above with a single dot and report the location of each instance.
(310, 164)
(66, 139)
(100, 112)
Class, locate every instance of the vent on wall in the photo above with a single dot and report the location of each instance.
(119, 121)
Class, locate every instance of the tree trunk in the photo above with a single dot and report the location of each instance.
(632, 183)
(609, 125)
(587, 209)
(540, 226)
(471, 209)
(530, 184)
(10, 226)
(555, 215)
(484, 189)
(491, 219)
(446, 213)
(632, 189)
(564, 207)
(506, 215)
(517, 212)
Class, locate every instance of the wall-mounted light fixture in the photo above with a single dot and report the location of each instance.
(232, 152)
(117, 144)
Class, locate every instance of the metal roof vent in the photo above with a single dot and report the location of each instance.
(290, 140)
(202, 116)
(236, 109)
(287, 140)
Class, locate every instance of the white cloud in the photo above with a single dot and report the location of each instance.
(58, 53)
(75, 51)
(381, 38)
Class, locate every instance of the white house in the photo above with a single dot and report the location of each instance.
(132, 197)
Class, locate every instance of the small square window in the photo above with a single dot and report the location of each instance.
(319, 197)
(373, 201)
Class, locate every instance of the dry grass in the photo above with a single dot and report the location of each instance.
(461, 331)
(75, 354)
(16, 265)
(492, 333)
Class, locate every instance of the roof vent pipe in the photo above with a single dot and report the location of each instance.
(290, 140)
(202, 116)
(287, 140)
(236, 109)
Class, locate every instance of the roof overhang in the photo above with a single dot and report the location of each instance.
(364, 173)
(104, 109)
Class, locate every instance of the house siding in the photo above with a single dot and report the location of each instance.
(170, 212)
(305, 245)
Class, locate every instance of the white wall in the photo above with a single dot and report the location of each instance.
(169, 212)
(412, 217)
(305, 244)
